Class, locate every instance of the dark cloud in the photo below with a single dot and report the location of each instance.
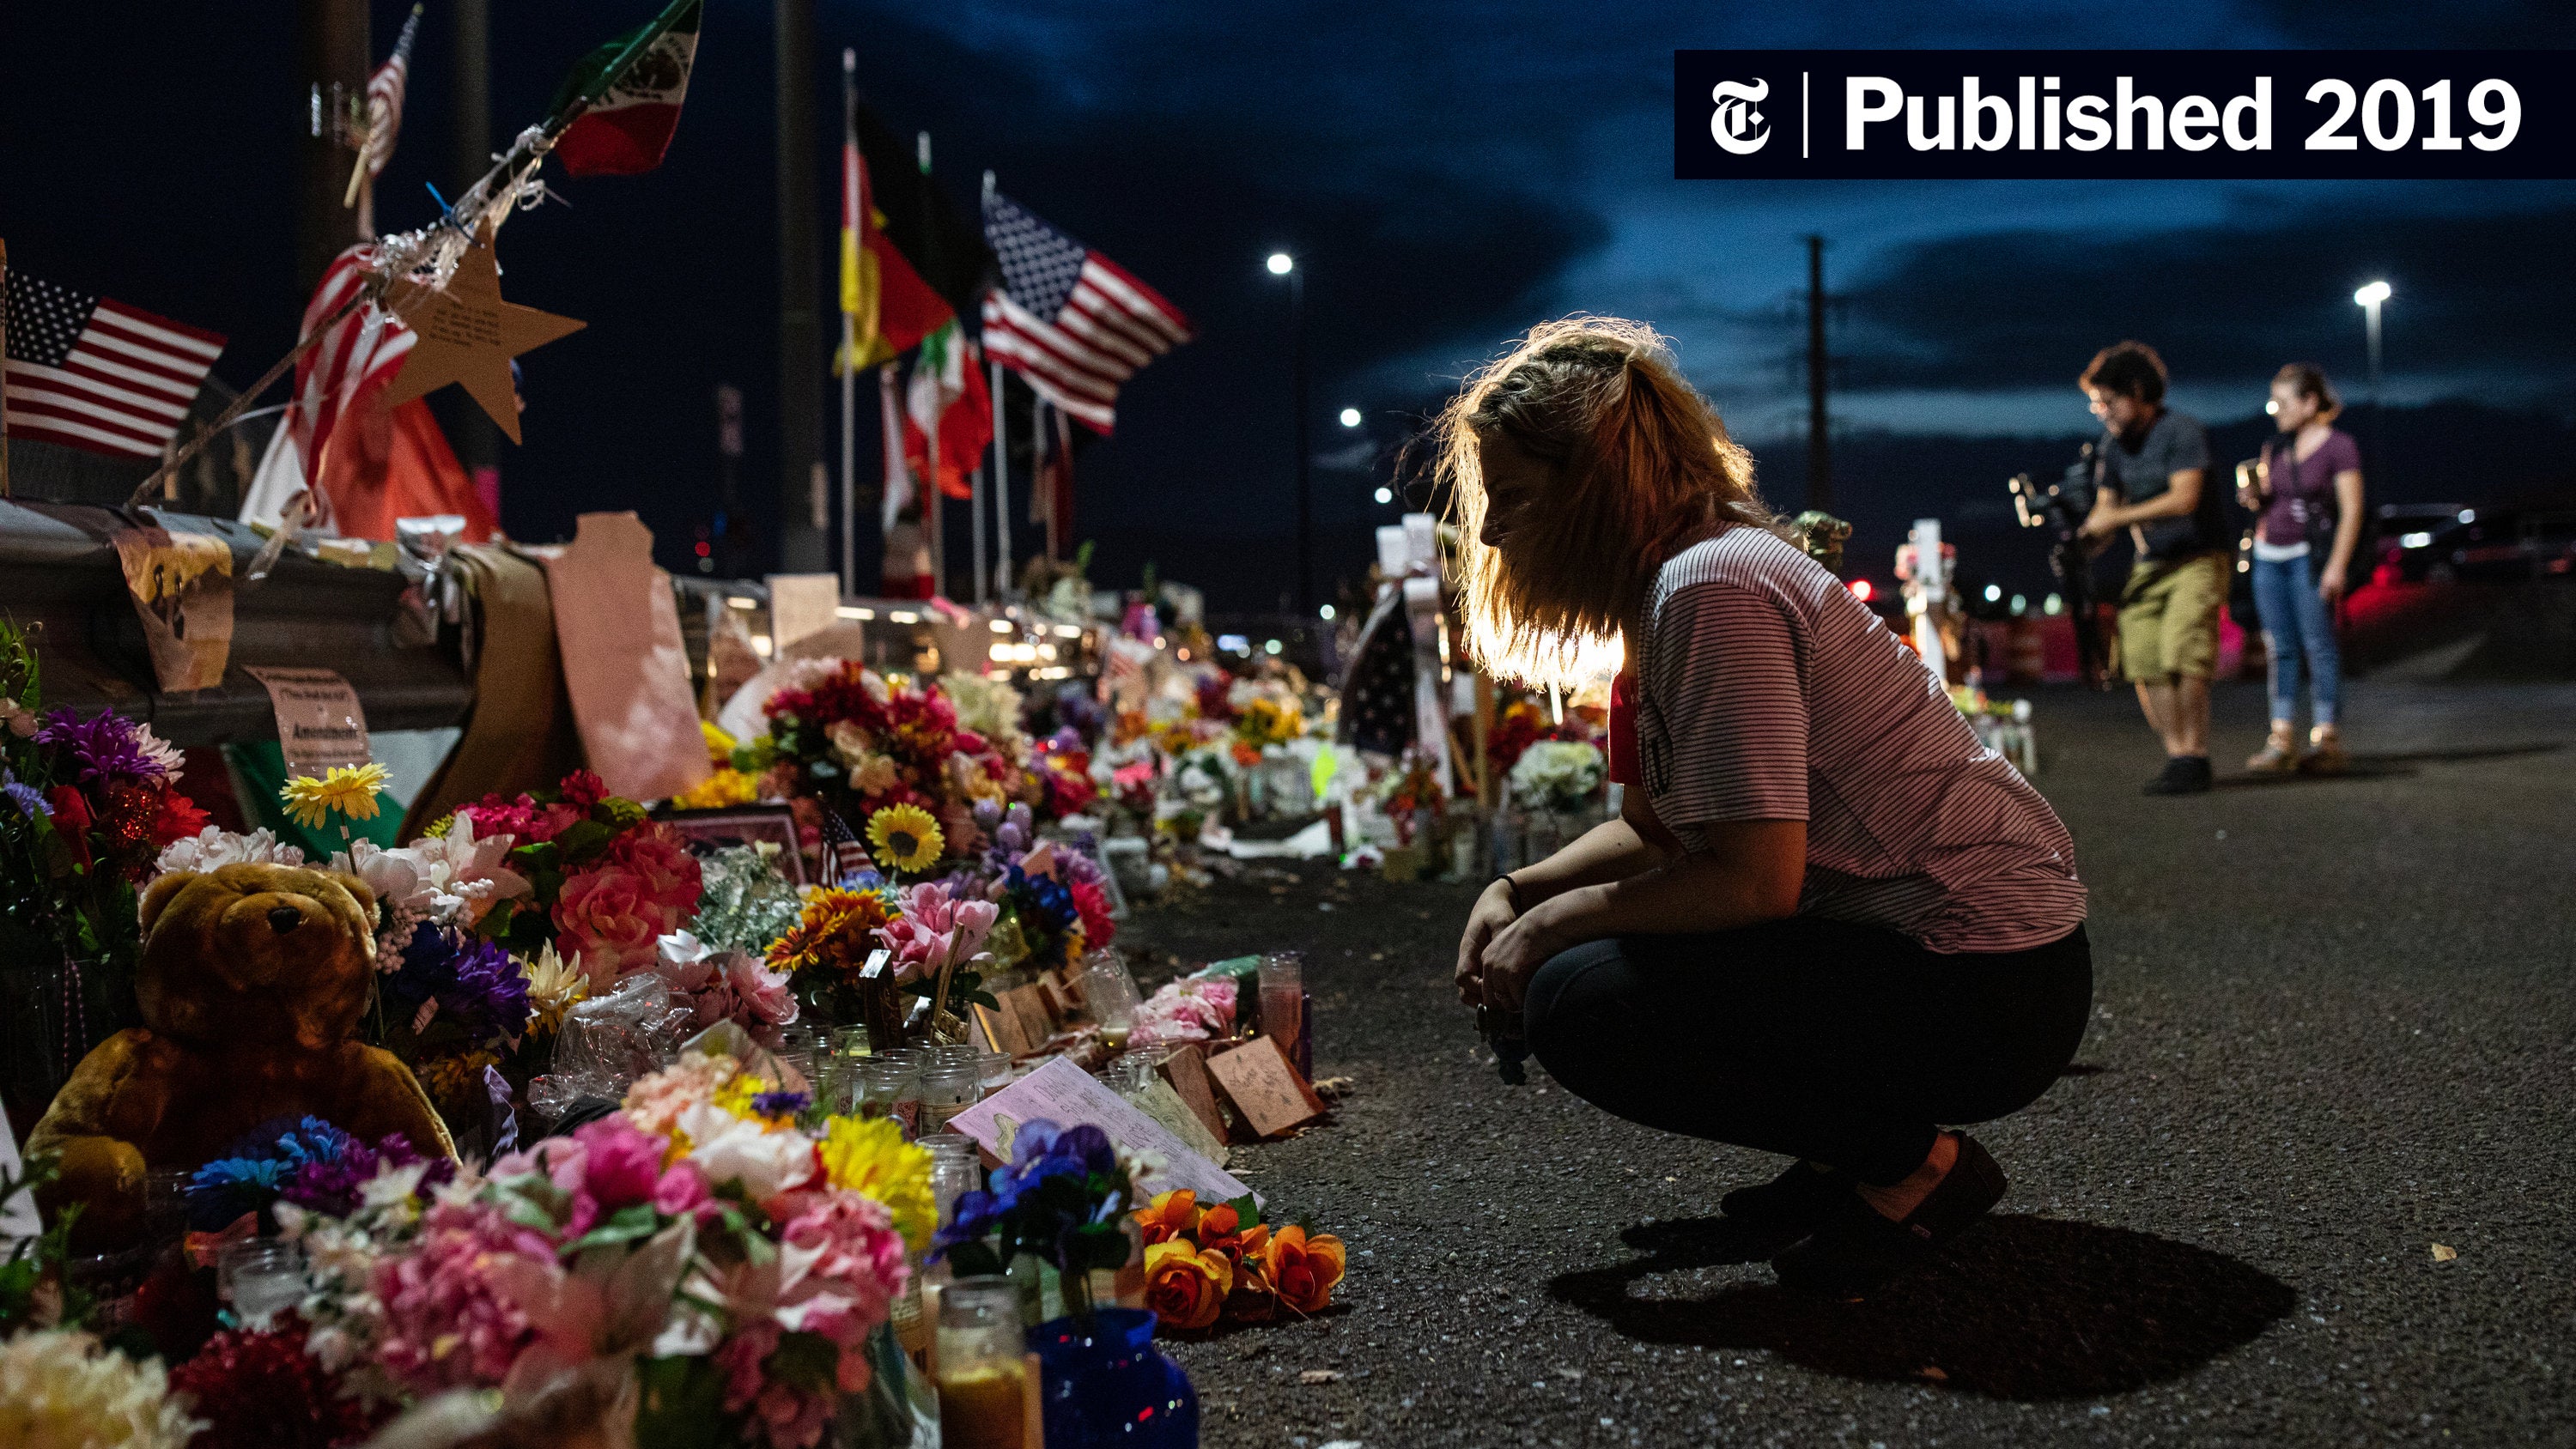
(2478, 297)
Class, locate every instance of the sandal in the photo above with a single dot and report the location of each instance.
(1858, 1249)
(2279, 755)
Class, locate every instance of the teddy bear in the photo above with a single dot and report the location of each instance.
(251, 982)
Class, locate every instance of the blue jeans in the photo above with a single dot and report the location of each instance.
(2297, 622)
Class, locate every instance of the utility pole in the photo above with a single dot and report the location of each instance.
(331, 59)
(1305, 463)
(478, 441)
(1820, 458)
(802, 538)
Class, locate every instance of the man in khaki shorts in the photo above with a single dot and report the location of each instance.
(2149, 470)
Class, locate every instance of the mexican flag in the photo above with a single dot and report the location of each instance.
(626, 96)
(948, 397)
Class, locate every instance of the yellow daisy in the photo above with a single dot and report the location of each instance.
(344, 791)
(870, 1157)
(906, 837)
(553, 987)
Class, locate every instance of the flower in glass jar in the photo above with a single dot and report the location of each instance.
(1186, 1285)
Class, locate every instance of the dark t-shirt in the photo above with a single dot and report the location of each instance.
(2303, 496)
(2172, 444)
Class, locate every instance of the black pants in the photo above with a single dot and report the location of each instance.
(1841, 1044)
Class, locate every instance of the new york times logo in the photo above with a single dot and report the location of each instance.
(1737, 128)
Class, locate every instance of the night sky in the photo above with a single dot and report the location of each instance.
(1447, 173)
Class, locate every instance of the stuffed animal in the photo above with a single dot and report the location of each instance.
(251, 982)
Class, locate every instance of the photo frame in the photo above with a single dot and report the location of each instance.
(707, 830)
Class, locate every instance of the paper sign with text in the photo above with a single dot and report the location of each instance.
(1068, 1096)
(320, 723)
(1264, 1087)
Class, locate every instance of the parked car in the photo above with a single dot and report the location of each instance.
(2441, 543)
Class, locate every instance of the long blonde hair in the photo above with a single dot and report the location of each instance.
(1638, 463)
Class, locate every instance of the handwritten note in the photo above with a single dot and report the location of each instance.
(319, 720)
(1068, 1096)
(1264, 1087)
(1186, 1071)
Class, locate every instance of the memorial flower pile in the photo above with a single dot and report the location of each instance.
(697, 1242)
(892, 759)
(606, 884)
(1203, 1264)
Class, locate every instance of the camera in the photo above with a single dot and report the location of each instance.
(2061, 507)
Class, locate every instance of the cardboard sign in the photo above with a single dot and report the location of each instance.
(1165, 1106)
(624, 664)
(800, 605)
(1068, 1096)
(1186, 1071)
(182, 588)
(1262, 1086)
(1002, 1029)
(1029, 1008)
(320, 723)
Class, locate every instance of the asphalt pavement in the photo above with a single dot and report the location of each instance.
(2332, 1031)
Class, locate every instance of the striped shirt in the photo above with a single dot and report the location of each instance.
(1767, 692)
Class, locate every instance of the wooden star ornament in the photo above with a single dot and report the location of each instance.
(467, 335)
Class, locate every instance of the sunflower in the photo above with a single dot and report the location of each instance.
(906, 837)
(344, 791)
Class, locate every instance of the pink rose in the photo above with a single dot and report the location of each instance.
(657, 855)
(683, 1189)
(608, 918)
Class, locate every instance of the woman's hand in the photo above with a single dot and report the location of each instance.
(1515, 953)
(1492, 914)
(2330, 584)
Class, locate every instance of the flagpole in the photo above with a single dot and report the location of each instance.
(934, 505)
(1001, 486)
(1055, 499)
(849, 358)
(4, 349)
(975, 491)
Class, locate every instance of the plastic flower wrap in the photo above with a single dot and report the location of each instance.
(1194, 1253)
(724, 985)
(1558, 774)
(64, 1389)
(609, 1040)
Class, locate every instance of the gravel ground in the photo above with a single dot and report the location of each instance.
(2332, 1030)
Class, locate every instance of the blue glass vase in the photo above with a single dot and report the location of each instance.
(1105, 1385)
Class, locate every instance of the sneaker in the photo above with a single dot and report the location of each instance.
(1858, 1249)
(2183, 775)
(2279, 756)
(2326, 755)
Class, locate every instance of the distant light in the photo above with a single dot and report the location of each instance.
(1281, 264)
(1234, 643)
(1271, 647)
(846, 612)
(2021, 603)
(902, 616)
(2052, 605)
(2414, 540)
(1067, 631)
(2468, 515)
(1185, 656)
(1158, 641)
(760, 645)
(739, 602)
(1386, 495)
(1994, 592)
(1350, 417)
(1001, 626)
(2369, 296)
(2272, 407)
(704, 548)
(1327, 612)
(1862, 590)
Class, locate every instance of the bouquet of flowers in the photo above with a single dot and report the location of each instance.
(1206, 1263)
(605, 883)
(62, 1386)
(859, 746)
(829, 945)
(731, 784)
(1558, 774)
(306, 1162)
(698, 1242)
(1191, 1009)
(1058, 1200)
(1410, 791)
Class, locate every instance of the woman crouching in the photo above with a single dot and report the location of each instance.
(1828, 920)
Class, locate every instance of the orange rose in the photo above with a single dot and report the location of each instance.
(1302, 1270)
(1184, 1285)
(1253, 1300)
(1217, 1229)
(1172, 1216)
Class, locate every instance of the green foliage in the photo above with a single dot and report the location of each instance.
(33, 1291)
(681, 1405)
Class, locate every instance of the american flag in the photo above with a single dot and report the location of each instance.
(93, 373)
(385, 98)
(1071, 321)
(362, 351)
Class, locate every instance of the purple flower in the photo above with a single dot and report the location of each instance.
(471, 979)
(781, 1104)
(29, 800)
(106, 746)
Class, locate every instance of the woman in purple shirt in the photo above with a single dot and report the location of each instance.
(2307, 490)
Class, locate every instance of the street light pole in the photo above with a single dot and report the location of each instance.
(2370, 297)
(1283, 265)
